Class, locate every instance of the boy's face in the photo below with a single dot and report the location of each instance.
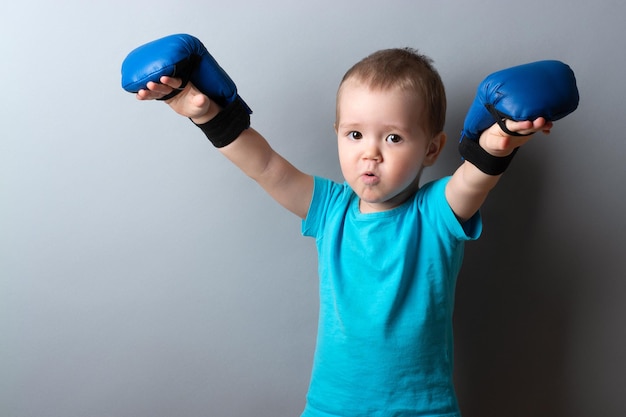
(383, 145)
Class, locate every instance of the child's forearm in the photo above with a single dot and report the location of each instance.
(250, 152)
(468, 189)
(290, 187)
(469, 186)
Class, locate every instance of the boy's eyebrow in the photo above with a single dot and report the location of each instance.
(348, 125)
(392, 127)
(387, 127)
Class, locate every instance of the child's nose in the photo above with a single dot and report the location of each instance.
(371, 150)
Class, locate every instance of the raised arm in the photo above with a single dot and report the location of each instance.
(250, 152)
(289, 186)
(179, 70)
(510, 105)
(469, 186)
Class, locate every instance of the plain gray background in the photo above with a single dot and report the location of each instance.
(142, 275)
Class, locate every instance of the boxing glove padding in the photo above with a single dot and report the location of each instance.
(525, 92)
(181, 56)
(184, 56)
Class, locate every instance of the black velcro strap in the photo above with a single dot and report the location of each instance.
(173, 94)
(472, 152)
(228, 124)
(500, 119)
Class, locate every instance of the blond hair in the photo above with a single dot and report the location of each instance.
(409, 70)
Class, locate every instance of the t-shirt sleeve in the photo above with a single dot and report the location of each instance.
(437, 210)
(312, 223)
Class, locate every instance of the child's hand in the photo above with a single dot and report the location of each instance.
(495, 141)
(190, 102)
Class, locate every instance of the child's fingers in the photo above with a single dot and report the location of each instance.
(524, 127)
(171, 81)
(547, 128)
(144, 94)
(528, 127)
(159, 88)
(154, 91)
(500, 143)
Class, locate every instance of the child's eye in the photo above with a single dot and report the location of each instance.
(355, 135)
(393, 138)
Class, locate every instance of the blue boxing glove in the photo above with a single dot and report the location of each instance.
(526, 92)
(184, 56)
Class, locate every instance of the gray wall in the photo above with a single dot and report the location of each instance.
(142, 275)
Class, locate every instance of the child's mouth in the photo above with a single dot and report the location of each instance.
(369, 178)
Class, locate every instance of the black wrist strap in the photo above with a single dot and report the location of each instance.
(224, 128)
(472, 152)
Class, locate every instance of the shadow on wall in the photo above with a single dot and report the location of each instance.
(514, 305)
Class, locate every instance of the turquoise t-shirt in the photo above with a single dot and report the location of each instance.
(387, 281)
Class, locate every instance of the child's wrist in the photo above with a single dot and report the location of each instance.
(495, 152)
(225, 125)
(212, 111)
(489, 163)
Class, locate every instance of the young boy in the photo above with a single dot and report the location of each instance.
(389, 250)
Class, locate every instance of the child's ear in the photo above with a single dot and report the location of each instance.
(435, 146)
